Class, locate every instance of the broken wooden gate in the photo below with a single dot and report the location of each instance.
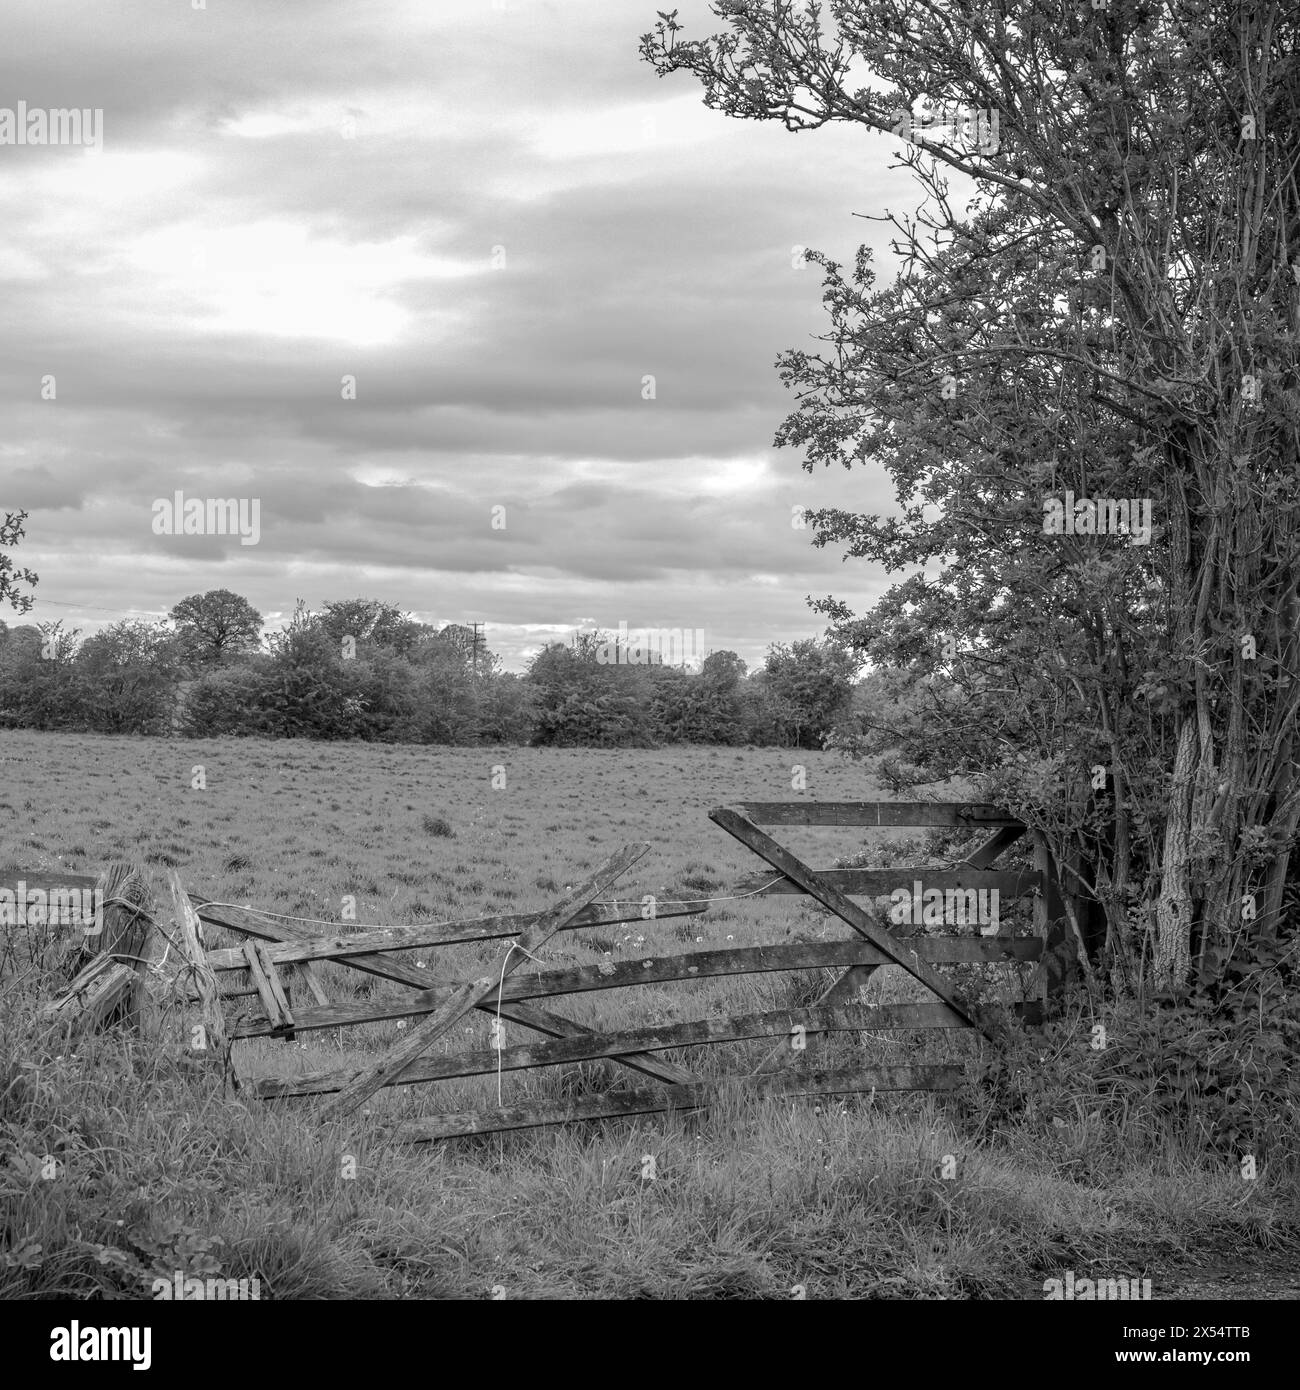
(253, 999)
(507, 992)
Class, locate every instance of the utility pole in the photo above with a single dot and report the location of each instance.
(479, 644)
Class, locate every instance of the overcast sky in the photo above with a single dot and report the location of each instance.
(497, 219)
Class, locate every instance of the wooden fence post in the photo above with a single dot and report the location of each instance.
(1050, 924)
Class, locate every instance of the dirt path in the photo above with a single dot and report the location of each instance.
(1219, 1273)
(1266, 1274)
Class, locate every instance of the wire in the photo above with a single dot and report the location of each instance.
(95, 608)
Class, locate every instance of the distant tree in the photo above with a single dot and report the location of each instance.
(217, 625)
(809, 686)
(446, 702)
(506, 713)
(314, 693)
(37, 687)
(371, 620)
(703, 708)
(454, 637)
(723, 670)
(584, 700)
(11, 532)
(126, 676)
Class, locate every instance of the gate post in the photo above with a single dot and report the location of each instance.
(1050, 924)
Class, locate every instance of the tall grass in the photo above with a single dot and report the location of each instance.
(121, 1162)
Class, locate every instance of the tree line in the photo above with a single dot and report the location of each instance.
(364, 669)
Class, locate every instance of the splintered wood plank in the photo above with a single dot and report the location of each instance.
(844, 908)
(700, 1032)
(689, 965)
(477, 991)
(92, 995)
(190, 931)
(646, 1101)
(877, 883)
(340, 946)
(385, 968)
(877, 813)
(269, 988)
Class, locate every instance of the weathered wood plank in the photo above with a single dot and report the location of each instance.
(476, 991)
(690, 965)
(12, 879)
(645, 1101)
(269, 988)
(555, 1026)
(338, 946)
(876, 883)
(846, 910)
(93, 995)
(652, 1038)
(877, 813)
(383, 967)
(190, 943)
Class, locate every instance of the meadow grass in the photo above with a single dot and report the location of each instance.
(121, 1161)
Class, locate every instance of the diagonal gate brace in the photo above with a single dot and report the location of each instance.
(844, 908)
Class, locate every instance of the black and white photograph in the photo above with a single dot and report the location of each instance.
(649, 655)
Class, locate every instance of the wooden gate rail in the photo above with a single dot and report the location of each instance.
(970, 815)
(690, 965)
(874, 883)
(697, 1096)
(651, 1038)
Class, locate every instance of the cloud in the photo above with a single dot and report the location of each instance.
(387, 267)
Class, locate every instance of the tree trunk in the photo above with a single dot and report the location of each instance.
(1174, 906)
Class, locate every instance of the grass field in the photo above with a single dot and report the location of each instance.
(896, 1196)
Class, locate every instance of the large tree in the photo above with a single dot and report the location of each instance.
(217, 625)
(1113, 314)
